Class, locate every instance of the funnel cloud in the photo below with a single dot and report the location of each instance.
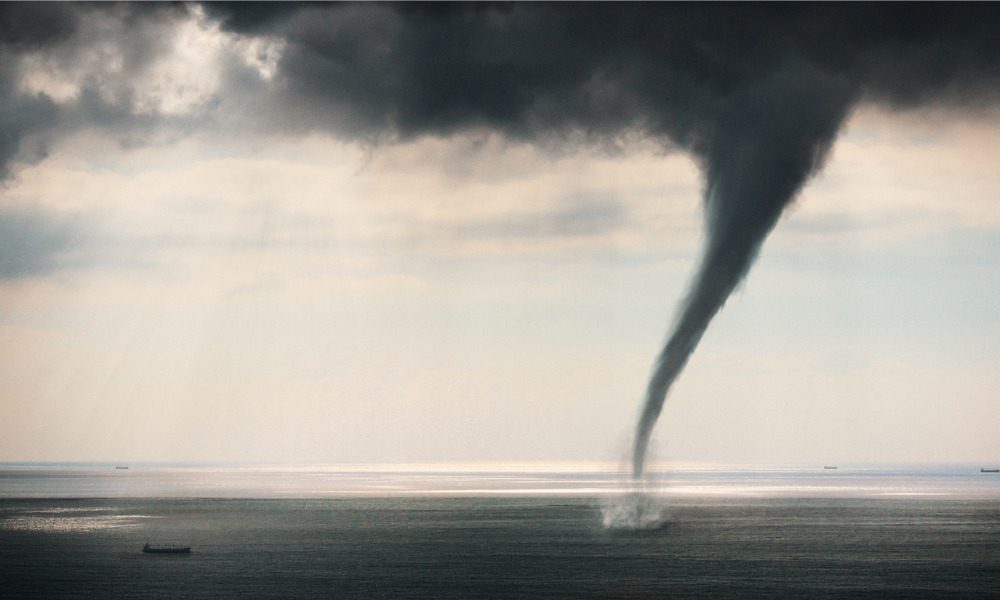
(776, 136)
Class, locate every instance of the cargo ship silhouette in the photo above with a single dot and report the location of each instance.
(165, 549)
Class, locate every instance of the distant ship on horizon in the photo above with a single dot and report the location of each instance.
(985, 470)
(829, 467)
(120, 468)
(165, 549)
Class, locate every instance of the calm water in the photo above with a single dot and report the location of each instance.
(727, 534)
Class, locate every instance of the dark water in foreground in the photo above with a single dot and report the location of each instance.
(76, 531)
(501, 547)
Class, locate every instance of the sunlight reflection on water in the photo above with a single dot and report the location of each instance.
(90, 481)
(67, 521)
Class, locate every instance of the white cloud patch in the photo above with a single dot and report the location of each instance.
(170, 68)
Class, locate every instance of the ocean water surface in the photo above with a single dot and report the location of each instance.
(76, 531)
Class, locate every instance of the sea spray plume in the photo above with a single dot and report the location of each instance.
(773, 136)
(636, 510)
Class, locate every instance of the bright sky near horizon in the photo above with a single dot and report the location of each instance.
(224, 294)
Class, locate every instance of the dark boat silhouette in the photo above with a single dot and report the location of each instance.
(985, 470)
(165, 549)
(829, 468)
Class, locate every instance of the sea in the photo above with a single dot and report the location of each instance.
(424, 531)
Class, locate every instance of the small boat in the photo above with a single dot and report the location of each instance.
(121, 468)
(985, 470)
(829, 468)
(165, 549)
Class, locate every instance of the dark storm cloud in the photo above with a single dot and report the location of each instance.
(25, 27)
(251, 17)
(33, 25)
(20, 116)
(593, 71)
(670, 70)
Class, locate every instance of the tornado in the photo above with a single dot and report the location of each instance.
(770, 138)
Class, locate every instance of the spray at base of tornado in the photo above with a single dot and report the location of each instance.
(634, 511)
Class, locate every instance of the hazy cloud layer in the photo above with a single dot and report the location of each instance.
(32, 241)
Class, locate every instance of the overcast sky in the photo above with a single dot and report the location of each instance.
(389, 234)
